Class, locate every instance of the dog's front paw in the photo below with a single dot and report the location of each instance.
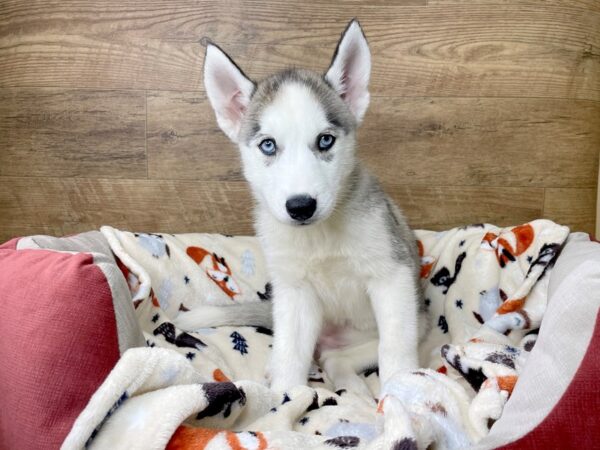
(400, 367)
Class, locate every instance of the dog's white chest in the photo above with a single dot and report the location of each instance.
(335, 262)
(342, 293)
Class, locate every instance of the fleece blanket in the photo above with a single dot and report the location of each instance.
(485, 288)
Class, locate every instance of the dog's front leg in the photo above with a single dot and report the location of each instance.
(395, 303)
(297, 319)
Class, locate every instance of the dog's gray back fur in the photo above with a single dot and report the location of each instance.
(365, 196)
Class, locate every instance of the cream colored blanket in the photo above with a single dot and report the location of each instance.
(486, 291)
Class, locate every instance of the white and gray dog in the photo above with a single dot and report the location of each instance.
(342, 259)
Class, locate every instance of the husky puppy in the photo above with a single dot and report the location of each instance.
(342, 259)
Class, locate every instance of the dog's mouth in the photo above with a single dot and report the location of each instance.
(304, 223)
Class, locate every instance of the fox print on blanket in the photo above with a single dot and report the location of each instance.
(216, 268)
(471, 360)
(339, 252)
(506, 252)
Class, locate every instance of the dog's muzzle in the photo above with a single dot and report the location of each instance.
(301, 207)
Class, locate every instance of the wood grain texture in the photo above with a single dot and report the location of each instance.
(184, 141)
(456, 142)
(67, 205)
(504, 50)
(573, 207)
(55, 132)
(482, 111)
(74, 205)
(593, 5)
(483, 142)
(443, 207)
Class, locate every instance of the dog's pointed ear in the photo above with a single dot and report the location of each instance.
(350, 69)
(228, 90)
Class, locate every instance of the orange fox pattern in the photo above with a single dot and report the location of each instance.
(427, 262)
(511, 305)
(505, 252)
(186, 438)
(216, 268)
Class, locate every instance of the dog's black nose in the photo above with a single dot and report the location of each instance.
(301, 207)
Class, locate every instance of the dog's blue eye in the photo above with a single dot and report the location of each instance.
(325, 142)
(267, 146)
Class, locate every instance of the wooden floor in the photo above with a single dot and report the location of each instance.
(482, 110)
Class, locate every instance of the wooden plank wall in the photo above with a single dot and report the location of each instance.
(482, 110)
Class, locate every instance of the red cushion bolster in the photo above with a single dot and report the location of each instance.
(58, 343)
